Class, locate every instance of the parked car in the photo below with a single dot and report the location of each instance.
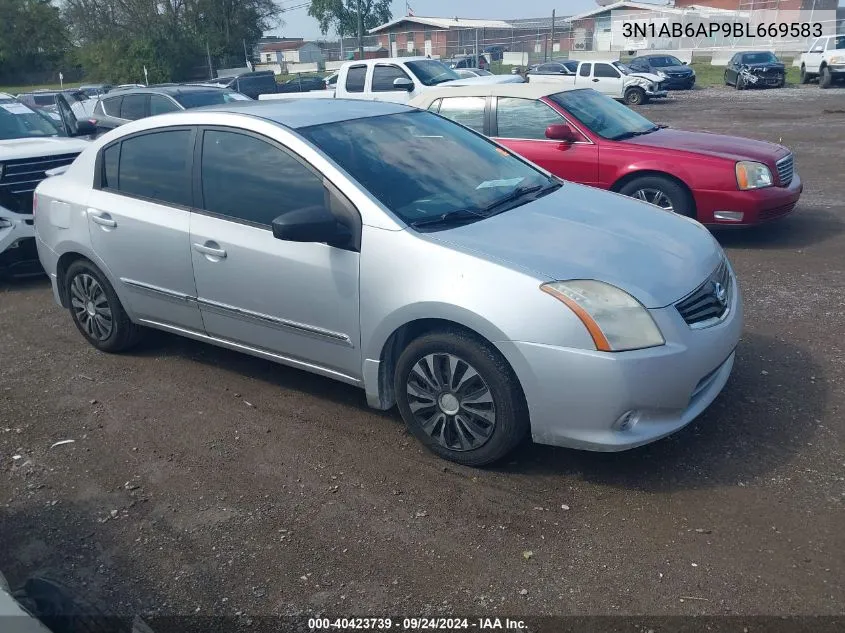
(674, 73)
(114, 110)
(586, 137)
(123, 87)
(565, 67)
(95, 90)
(755, 69)
(431, 267)
(495, 53)
(468, 61)
(79, 101)
(251, 84)
(331, 81)
(468, 73)
(825, 59)
(302, 84)
(32, 143)
(613, 79)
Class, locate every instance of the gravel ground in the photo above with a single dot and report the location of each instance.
(203, 481)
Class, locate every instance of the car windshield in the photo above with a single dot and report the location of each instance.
(19, 121)
(206, 98)
(572, 66)
(758, 58)
(423, 167)
(668, 60)
(431, 72)
(602, 115)
(625, 70)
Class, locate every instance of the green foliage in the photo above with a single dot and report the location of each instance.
(32, 36)
(342, 17)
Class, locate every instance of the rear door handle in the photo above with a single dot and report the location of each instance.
(210, 250)
(103, 219)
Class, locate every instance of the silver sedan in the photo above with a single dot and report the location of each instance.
(400, 252)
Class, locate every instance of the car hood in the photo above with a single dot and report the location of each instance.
(580, 232)
(648, 76)
(764, 66)
(16, 148)
(730, 147)
(675, 69)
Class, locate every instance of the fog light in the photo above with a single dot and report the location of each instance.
(627, 421)
(729, 216)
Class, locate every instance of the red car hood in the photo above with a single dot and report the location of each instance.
(731, 147)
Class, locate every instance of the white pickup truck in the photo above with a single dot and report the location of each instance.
(613, 79)
(825, 60)
(397, 79)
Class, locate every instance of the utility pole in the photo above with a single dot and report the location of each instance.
(477, 62)
(360, 31)
(208, 55)
(246, 56)
(553, 32)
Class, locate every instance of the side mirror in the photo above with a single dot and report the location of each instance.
(403, 83)
(85, 127)
(560, 132)
(310, 224)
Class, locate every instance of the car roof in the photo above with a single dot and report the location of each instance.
(168, 90)
(655, 55)
(756, 52)
(528, 90)
(300, 113)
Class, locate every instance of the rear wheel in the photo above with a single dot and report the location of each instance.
(635, 96)
(661, 192)
(460, 398)
(96, 311)
(825, 78)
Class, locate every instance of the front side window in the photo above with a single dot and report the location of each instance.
(603, 115)
(215, 96)
(355, 78)
(468, 111)
(606, 70)
(423, 167)
(156, 166)
(133, 107)
(383, 77)
(161, 105)
(269, 181)
(585, 69)
(524, 118)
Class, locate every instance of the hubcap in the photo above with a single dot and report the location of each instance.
(451, 402)
(655, 197)
(91, 307)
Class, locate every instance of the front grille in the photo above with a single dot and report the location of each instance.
(21, 177)
(786, 166)
(703, 306)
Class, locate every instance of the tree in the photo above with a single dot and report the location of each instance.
(32, 37)
(342, 15)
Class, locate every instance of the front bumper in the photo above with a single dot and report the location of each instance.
(838, 69)
(18, 255)
(576, 397)
(656, 93)
(756, 206)
(679, 83)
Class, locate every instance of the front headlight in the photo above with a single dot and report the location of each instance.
(752, 175)
(615, 320)
(661, 74)
(837, 59)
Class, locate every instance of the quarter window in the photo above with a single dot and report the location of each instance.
(468, 111)
(606, 70)
(383, 77)
(524, 118)
(111, 158)
(156, 166)
(133, 107)
(270, 181)
(355, 77)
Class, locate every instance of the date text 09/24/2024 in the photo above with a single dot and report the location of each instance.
(415, 624)
(727, 29)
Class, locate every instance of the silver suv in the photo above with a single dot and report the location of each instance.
(395, 250)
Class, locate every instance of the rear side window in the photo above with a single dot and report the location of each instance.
(355, 77)
(112, 105)
(156, 166)
(383, 77)
(585, 69)
(133, 107)
(524, 118)
(468, 111)
(270, 181)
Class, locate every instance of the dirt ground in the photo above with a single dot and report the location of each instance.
(204, 481)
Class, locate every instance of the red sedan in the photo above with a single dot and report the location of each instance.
(586, 137)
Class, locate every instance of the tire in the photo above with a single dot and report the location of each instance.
(825, 78)
(727, 83)
(740, 83)
(92, 300)
(647, 188)
(805, 76)
(469, 433)
(635, 96)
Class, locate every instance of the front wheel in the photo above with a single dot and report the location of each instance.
(661, 192)
(805, 76)
(635, 96)
(96, 311)
(740, 83)
(825, 78)
(460, 398)
(727, 83)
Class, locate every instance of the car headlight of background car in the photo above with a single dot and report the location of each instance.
(661, 74)
(837, 59)
(615, 320)
(752, 175)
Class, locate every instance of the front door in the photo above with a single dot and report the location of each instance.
(607, 79)
(520, 125)
(813, 58)
(381, 84)
(297, 300)
(139, 223)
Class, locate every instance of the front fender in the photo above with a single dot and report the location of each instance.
(677, 169)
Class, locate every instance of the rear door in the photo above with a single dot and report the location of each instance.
(520, 124)
(607, 79)
(139, 221)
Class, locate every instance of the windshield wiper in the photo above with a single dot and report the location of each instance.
(520, 192)
(452, 217)
(624, 135)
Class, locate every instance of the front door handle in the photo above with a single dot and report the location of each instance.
(211, 251)
(595, 80)
(103, 220)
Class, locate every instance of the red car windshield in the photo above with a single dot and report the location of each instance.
(602, 115)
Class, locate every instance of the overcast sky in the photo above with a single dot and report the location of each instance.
(299, 24)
